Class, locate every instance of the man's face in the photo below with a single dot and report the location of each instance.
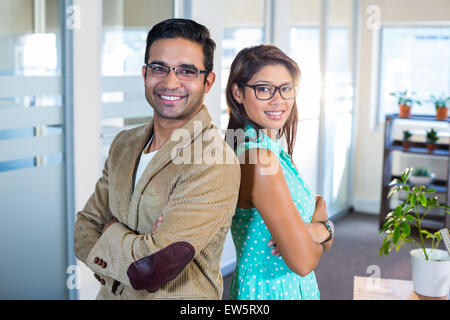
(170, 97)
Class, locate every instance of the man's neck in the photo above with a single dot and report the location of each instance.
(163, 129)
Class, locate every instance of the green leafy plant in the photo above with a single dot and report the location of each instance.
(441, 101)
(397, 225)
(421, 172)
(405, 98)
(406, 135)
(432, 136)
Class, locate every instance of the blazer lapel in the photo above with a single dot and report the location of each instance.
(130, 154)
(194, 127)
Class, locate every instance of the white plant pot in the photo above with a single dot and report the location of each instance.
(420, 180)
(431, 278)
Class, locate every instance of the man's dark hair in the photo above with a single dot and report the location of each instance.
(186, 29)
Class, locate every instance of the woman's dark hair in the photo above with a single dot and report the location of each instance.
(186, 29)
(248, 62)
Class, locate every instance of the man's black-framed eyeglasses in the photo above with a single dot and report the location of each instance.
(181, 72)
(267, 91)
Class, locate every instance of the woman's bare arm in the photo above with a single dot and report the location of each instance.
(265, 187)
(318, 231)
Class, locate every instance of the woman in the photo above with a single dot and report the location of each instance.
(275, 206)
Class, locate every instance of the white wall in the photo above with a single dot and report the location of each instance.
(87, 116)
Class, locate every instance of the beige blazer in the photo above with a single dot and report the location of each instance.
(197, 200)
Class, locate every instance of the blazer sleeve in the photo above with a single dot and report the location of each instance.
(96, 212)
(202, 203)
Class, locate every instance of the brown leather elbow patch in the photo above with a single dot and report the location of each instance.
(151, 272)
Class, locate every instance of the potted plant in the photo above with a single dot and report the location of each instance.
(430, 266)
(406, 142)
(421, 176)
(441, 104)
(432, 138)
(405, 102)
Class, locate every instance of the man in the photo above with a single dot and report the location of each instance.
(155, 227)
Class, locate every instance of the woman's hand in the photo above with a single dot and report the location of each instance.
(320, 213)
(274, 250)
(317, 231)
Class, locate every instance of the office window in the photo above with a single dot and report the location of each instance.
(415, 59)
(125, 27)
(328, 135)
(305, 50)
(242, 29)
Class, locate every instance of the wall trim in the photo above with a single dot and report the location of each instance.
(228, 267)
(367, 205)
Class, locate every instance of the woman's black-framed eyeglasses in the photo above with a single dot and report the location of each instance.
(181, 72)
(267, 91)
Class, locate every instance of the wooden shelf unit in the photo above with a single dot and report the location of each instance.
(391, 146)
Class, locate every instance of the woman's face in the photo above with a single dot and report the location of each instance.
(272, 113)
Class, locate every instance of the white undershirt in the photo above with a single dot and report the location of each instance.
(143, 162)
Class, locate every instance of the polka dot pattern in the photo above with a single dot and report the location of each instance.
(259, 274)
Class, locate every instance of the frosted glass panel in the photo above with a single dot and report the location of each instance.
(30, 147)
(28, 117)
(32, 168)
(11, 86)
(32, 237)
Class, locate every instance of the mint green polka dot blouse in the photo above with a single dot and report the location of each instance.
(259, 275)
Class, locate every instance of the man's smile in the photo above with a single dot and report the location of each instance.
(170, 98)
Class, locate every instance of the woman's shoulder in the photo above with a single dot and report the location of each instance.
(260, 164)
(261, 141)
(259, 157)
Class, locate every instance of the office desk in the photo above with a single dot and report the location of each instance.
(371, 288)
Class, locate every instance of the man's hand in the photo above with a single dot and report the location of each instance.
(157, 224)
(110, 222)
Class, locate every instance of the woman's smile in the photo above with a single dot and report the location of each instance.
(274, 115)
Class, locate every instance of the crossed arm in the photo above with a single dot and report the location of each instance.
(317, 230)
(298, 242)
(198, 207)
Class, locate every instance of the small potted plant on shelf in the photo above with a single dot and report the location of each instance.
(430, 266)
(421, 176)
(441, 104)
(405, 102)
(406, 142)
(432, 138)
